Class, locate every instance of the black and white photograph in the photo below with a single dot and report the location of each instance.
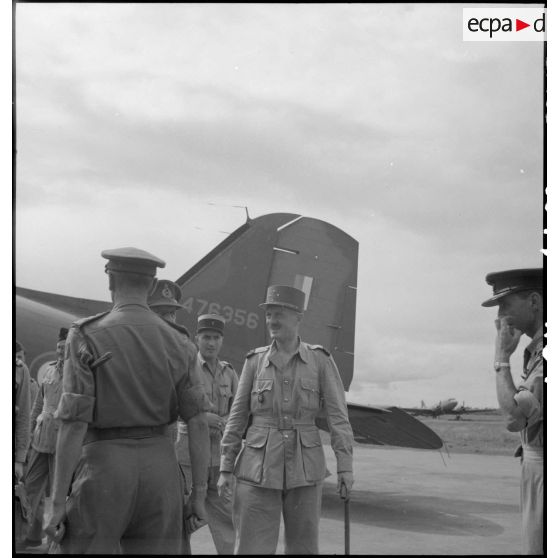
(279, 278)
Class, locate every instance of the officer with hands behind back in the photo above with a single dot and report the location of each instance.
(127, 375)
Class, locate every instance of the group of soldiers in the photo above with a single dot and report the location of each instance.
(142, 437)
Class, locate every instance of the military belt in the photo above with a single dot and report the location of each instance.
(283, 423)
(133, 432)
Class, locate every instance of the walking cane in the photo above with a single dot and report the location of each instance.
(346, 498)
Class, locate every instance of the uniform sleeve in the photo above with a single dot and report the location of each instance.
(234, 387)
(238, 417)
(77, 402)
(37, 408)
(529, 398)
(22, 416)
(190, 390)
(337, 415)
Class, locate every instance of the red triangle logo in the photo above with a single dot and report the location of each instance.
(519, 25)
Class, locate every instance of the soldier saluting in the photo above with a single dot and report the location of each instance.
(127, 375)
(281, 466)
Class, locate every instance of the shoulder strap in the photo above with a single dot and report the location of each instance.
(257, 351)
(319, 347)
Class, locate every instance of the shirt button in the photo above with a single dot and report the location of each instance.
(286, 400)
(286, 381)
(285, 435)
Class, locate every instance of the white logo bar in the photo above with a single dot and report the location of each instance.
(504, 24)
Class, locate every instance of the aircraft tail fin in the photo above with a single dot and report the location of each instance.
(281, 249)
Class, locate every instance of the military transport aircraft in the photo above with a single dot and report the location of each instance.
(445, 407)
(278, 248)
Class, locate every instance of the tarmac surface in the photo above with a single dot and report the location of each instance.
(418, 502)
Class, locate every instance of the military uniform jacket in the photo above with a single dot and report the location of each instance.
(220, 389)
(529, 396)
(43, 423)
(283, 448)
(22, 410)
(150, 379)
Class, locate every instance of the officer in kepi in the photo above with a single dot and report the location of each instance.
(518, 293)
(127, 375)
(281, 466)
(221, 382)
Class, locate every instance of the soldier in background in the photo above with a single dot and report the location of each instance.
(44, 428)
(21, 442)
(22, 412)
(221, 383)
(518, 293)
(281, 467)
(127, 375)
(33, 385)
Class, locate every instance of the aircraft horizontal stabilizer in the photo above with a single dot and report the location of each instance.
(387, 426)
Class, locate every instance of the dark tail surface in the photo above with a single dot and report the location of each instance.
(283, 249)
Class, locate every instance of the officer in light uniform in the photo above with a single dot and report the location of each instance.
(127, 375)
(281, 466)
(40, 467)
(518, 293)
(221, 383)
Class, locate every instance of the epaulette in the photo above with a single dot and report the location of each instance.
(256, 351)
(316, 347)
(89, 319)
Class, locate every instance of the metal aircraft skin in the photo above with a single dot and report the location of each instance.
(231, 280)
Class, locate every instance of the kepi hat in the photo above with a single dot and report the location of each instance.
(62, 334)
(212, 322)
(513, 281)
(283, 295)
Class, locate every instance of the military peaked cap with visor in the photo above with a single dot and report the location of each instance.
(165, 293)
(513, 281)
(282, 295)
(211, 322)
(132, 260)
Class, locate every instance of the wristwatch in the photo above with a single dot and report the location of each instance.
(499, 365)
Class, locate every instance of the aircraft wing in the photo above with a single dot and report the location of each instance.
(387, 426)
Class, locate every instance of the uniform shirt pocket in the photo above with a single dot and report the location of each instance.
(313, 458)
(310, 394)
(262, 395)
(249, 465)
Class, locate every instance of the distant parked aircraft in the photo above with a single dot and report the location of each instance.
(443, 407)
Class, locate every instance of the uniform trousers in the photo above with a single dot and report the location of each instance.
(257, 517)
(219, 512)
(126, 498)
(38, 477)
(532, 502)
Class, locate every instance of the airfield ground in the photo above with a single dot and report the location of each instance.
(426, 502)
(461, 500)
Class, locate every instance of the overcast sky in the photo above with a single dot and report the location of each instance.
(144, 125)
